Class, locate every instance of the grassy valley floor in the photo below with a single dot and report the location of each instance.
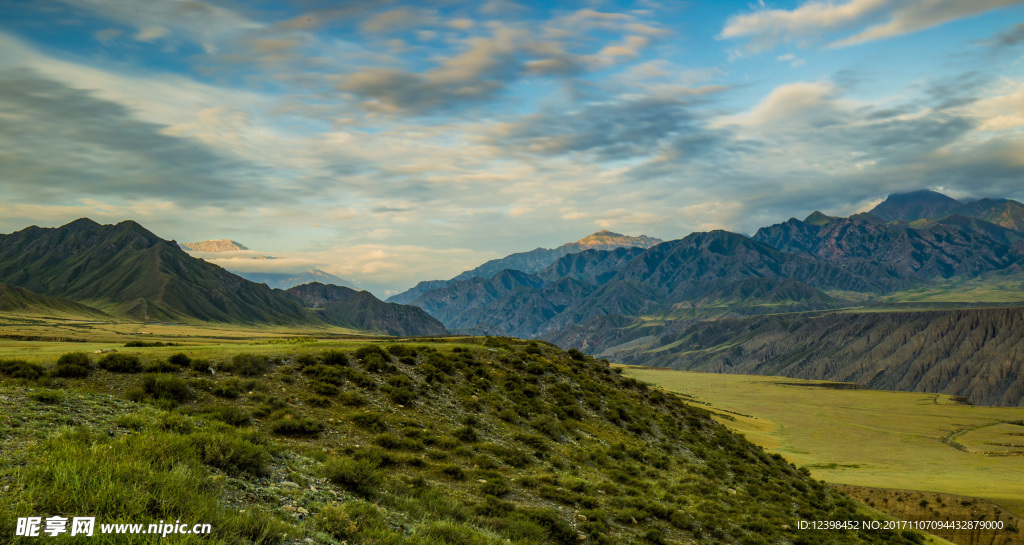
(867, 438)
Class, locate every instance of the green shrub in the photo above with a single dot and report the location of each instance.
(232, 452)
(81, 359)
(249, 365)
(201, 365)
(118, 362)
(68, 370)
(180, 359)
(352, 399)
(48, 397)
(454, 472)
(297, 427)
(318, 401)
(370, 421)
(323, 388)
(160, 366)
(361, 477)
(169, 387)
(21, 369)
(335, 358)
(230, 414)
(496, 487)
(229, 388)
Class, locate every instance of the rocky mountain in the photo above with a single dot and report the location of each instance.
(218, 245)
(700, 270)
(914, 205)
(360, 310)
(533, 261)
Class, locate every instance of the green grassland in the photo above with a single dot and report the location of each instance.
(991, 288)
(274, 438)
(867, 438)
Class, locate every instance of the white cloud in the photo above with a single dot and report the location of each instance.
(869, 20)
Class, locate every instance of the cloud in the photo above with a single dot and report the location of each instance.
(1011, 37)
(868, 20)
(152, 33)
(57, 142)
(798, 102)
(399, 19)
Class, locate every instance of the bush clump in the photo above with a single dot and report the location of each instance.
(295, 427)
(361, 477)
(248, 365)
(169, 387)
(118, 362)
(21, 369)
(73, 365)
(180, 359)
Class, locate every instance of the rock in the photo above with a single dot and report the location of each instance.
(581, 537)
(730, 490)
(581, 518)
(288, 484)
(482, 481)
(302, 511)
(290, 508)
(786, 527)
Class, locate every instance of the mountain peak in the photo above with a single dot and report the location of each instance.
(915, 205)
(215, 245)
(817, 218)
(80, 224)
(605, 239)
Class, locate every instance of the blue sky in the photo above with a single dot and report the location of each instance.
(391, 142)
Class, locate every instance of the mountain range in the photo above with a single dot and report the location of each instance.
(533, 261)
(637, 301)
(126, 271)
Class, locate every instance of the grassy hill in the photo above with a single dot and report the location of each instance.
(22, 301)
(467, 442)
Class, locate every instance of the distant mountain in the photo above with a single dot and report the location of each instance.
(701, 270)
(360, 310)
(914, 205)
(16, 299)
(534, 260)
(1002, 212)
(291, 279)
(127, 271)
(218, 245)
(951, 246)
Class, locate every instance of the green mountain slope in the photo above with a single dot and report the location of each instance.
(21, 300)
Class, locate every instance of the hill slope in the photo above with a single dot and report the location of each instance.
(497, 442)
(14, 298)
(977, 354)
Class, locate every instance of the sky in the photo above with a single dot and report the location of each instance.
(390, 142)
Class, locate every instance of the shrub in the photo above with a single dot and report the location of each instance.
(71, 370)
(201, 365)
(454, 472)
(576, 354)
(229, 388)
(335, 358)
(318, 401)
(48, 397)
(180, 359)
(117, 362)
(496, 487)
(370, 421)
(230, 414)
(352, 399)
(169, 387)
(361, 477)
(161, 366)
(298, 427)
(81, 359)
(323, 388)
(232, 452)
(249, 365)
(21, 369)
